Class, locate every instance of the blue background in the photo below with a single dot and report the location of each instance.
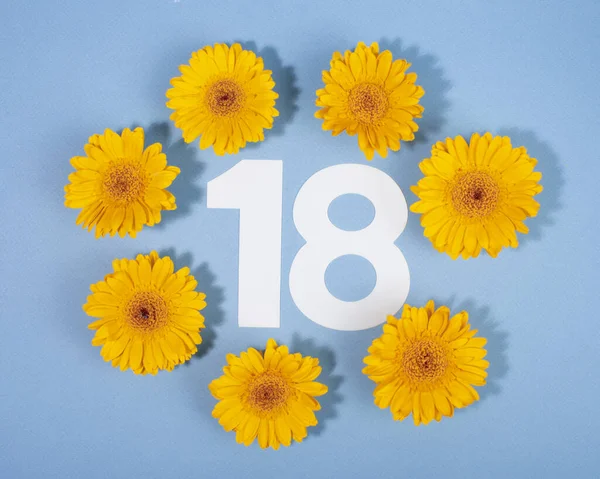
(70, 68)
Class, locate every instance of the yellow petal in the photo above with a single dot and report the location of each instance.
(256, 359)
(263, 433)
(439, 320)
(273, 441)
(312, 388)
(284, 433)
(441, 403)
(231, 419)
(251, 429)
(422, 320)
(427, 407)
(416, 408)
(136, 352)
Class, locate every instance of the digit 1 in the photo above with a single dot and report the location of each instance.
(255, 188)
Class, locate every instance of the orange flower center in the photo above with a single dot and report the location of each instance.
(475, 194)
(368, 102)
(124, 183)
(424, 360)
(147, 311)
(225, 98)
(268, 391)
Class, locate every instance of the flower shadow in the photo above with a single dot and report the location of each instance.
(285, 85)
(497, 344)
(213, 312)
(308, 347)
(405, 170)
(431, 77)
(182, 155)
(552, 180)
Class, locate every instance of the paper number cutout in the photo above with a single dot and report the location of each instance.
(255, 188)
(326, 242)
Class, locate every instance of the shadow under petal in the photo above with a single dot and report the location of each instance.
(326, 356)
(213, 312)
(431, 77)
(214, 315)
(184, 187)
(552, 180)
(405, 169)
(497, 344)
(285, 85)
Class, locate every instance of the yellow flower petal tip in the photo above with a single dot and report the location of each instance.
(149, 314)
(268, 396)
(370, 94)
(224, 96)
(426, 364)
(120, 186)
(476, 196)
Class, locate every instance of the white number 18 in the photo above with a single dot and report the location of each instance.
(255, 188)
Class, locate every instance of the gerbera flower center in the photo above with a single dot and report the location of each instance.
(124, 183)
(475, 194)
(368, 102)
(268, 391)
(424, 360)
(147, 311)
(225, 98)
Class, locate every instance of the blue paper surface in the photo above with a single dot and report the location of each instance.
(71, 68)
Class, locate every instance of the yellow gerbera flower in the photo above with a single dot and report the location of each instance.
(119, 185)
(476, 196)
(268, 396)
(150, 317)
(225, 96)
(369, 93)
(426, 364)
